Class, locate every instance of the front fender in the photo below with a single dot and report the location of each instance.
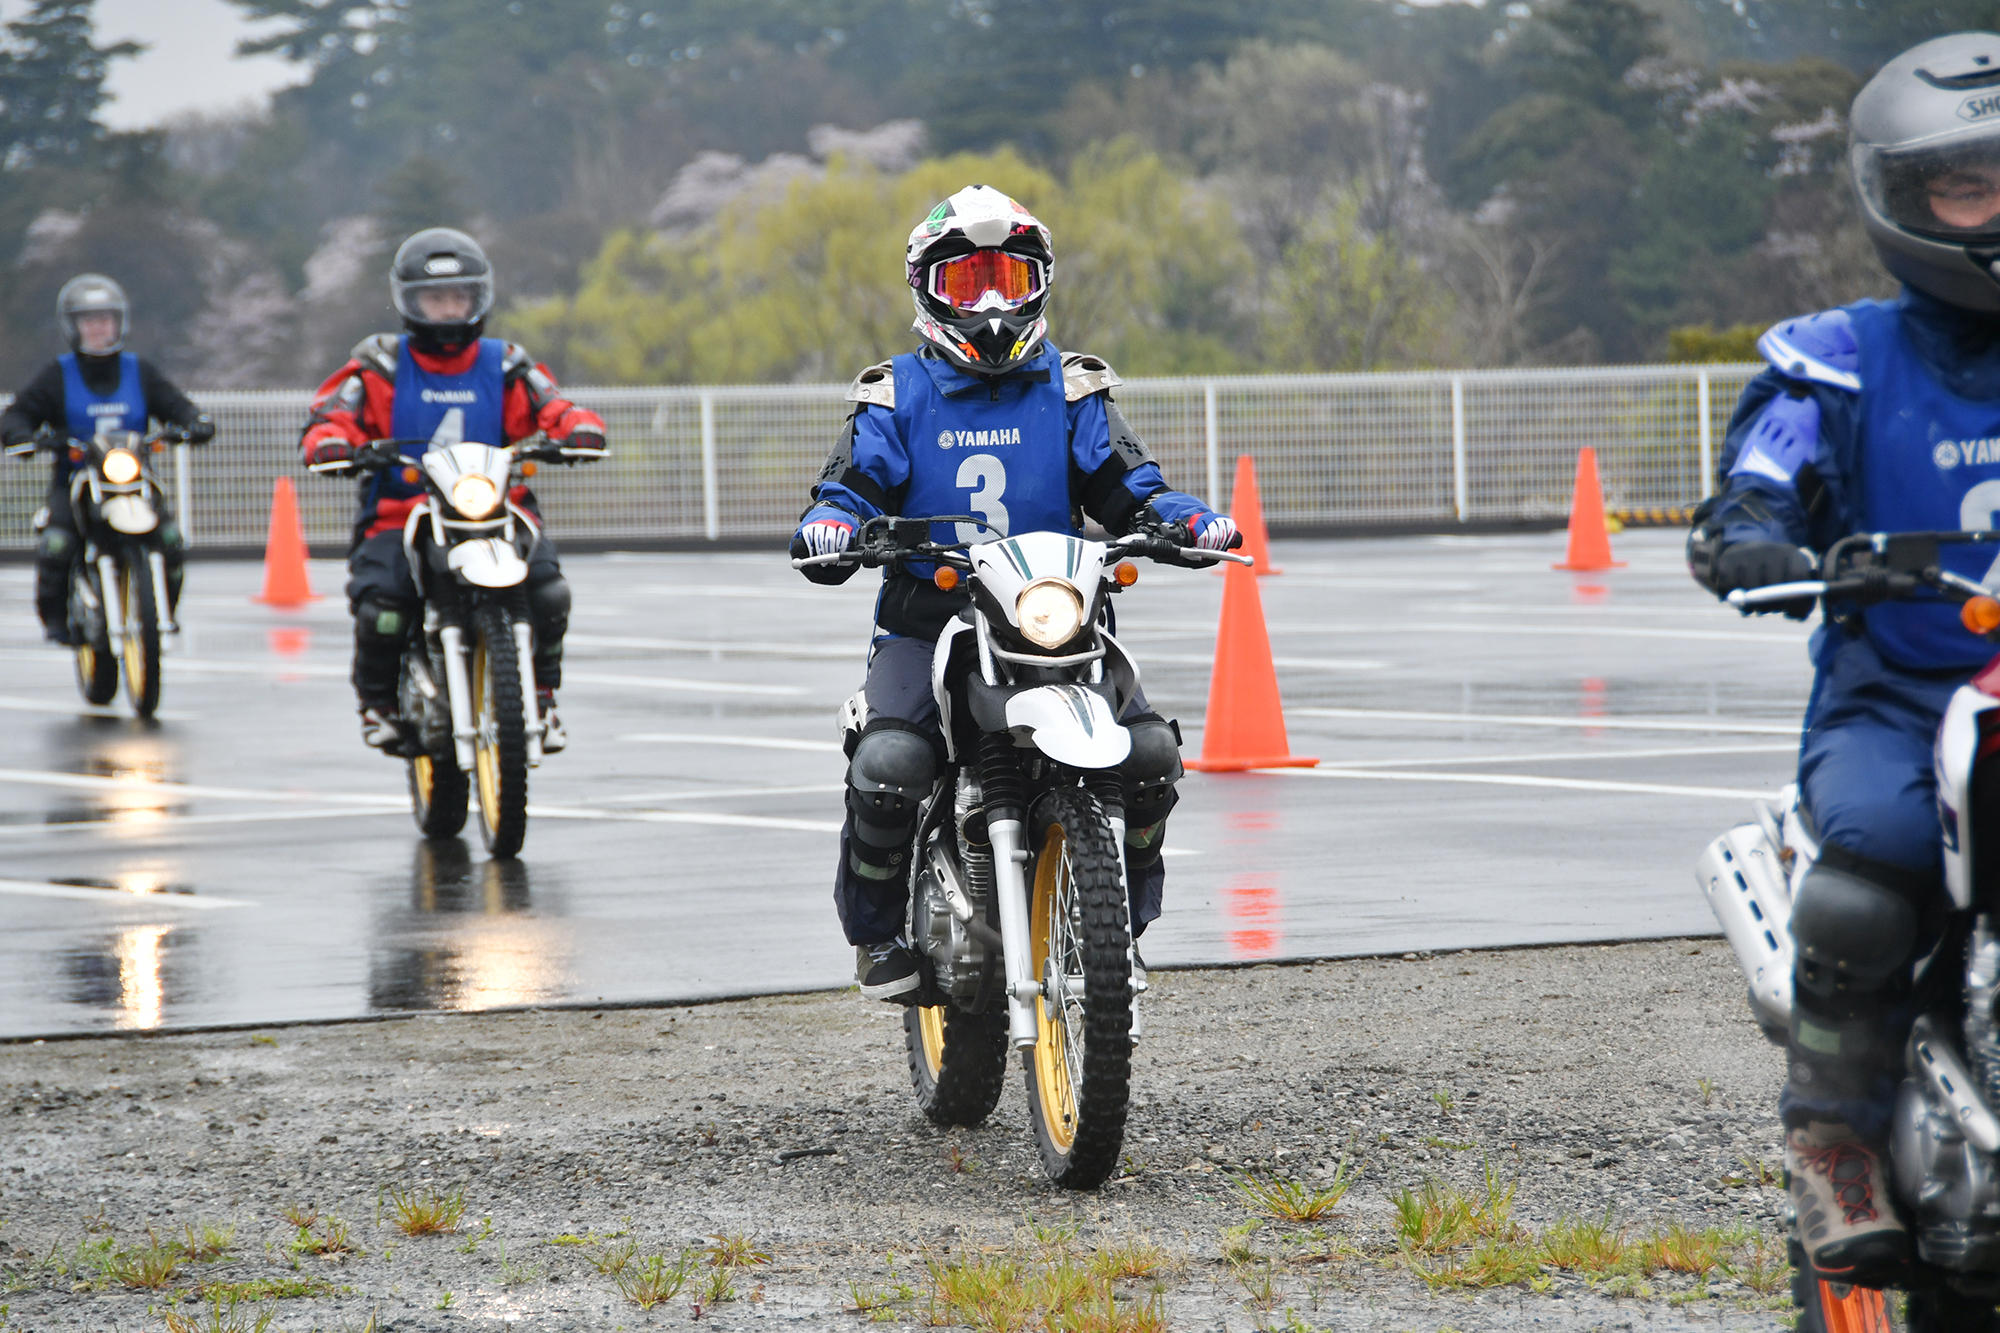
(129, 514)
(487, 562)
(1071, 725)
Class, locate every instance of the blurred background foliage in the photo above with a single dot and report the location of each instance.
(718, 190)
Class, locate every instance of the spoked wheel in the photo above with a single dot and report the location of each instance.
(142, 636)
(1080, 1073)
(958, 1061)
(96, 668)
(438, 786)
(500, 752)
(1835, 1307)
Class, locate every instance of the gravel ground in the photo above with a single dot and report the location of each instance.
(1627, 1078)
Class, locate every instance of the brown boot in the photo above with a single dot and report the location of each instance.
(1840, 1189)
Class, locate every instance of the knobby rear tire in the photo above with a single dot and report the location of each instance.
(96, 668)
(958, 1061)
(500, 753)
(1079, 1075)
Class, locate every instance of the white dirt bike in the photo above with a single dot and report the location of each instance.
(1018, 909)
(1945, 1145)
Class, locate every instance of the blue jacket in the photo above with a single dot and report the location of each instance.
(1876, 416)
(1028, 451)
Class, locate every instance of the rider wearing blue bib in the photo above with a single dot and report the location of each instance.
(987, 418)
(96, 385)
(1877, 416)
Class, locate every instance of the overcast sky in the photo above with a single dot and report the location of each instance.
(189, 63)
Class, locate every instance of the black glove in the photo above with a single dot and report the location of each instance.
(201, 430)
(582, 446)
(1761, 564)
(333, 457)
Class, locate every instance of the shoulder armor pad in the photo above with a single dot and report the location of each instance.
(875, 385)
(1084, 375)
(377, 352)
(1819, 349)
(514, 360)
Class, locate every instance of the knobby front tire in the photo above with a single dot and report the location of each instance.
(142, 636)
(500, 753)
(958, 1061)
(1079, 1075)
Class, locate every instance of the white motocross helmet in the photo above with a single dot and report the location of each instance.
(979, 267)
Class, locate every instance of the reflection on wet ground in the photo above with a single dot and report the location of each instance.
(1509, 756)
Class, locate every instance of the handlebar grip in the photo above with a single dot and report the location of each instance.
(1774, 593)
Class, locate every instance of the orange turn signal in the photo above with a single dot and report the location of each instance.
(946, 578)
(528, 468)
(412, 476)
(1125, 573)
(1981, 615)
(159, 446)
(75, 454)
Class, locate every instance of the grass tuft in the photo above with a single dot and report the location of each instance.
(1290, 1200)
(429, 1213)
(656, 1279)
(222, 1316)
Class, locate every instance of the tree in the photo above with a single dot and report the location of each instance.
(52, 84)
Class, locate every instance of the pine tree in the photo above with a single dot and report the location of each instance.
(51, 85)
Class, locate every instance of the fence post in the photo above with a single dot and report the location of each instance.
(183, 494)
(1706, 434)
(1461, 500)
(1212, 446)
(711, 503)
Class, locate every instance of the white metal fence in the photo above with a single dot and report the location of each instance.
(1427, 448)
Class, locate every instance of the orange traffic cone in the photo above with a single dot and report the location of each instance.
(1246, 721)
(1248, 511)
(1589, 541)
(285, 582)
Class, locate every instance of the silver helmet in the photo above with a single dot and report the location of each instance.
(1924, 145)
(91, 294)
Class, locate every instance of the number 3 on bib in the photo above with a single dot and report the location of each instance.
(1977, 511)
(984, 478)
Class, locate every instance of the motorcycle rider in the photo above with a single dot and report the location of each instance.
(1876, 416)
(441, 381)
(1050, 443)
(96, 385)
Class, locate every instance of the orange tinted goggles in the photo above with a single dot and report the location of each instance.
(966, 281)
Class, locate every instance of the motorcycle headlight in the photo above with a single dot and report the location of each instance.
(475, 496)
(120, 466)
(1050, 612)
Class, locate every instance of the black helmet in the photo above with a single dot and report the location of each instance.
(441, 260)
(1925, 149)
(980, 266)
(88, 294)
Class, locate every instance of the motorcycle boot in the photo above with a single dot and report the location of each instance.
(887, 971)
(382, 729)
(1856, 937)
(554, 738)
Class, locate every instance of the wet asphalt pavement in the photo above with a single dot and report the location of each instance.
(1510, 755)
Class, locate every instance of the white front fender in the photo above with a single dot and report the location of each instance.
(132, 514)
(487, 562)
(1070, 725)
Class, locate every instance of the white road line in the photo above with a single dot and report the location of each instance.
(1738, 726)
(1566, 755)
(167, 825)
(746, 742)
(684, 817)
(25, 888)
(724, 793)
(1528, 780)
(93, 782)
(682, 685)
(1790, 641)
(1294, 663)
(858, 650)
(15, 704)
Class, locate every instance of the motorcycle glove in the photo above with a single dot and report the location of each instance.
(1762, 564)
(1215, 532)
(583, 446)
(332, 457)
(201, 430)
(823, 537)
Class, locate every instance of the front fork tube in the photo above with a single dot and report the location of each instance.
(531, 703)
(114, 602)
(458, 687)
(157, 564)
(1010, 887)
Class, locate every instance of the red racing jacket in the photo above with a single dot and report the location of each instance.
(356, 403)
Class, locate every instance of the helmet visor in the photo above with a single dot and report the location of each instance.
(988, 280)
(1949, 190)
(444, 302)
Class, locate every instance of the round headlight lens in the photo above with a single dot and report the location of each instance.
(1050, 612)
(475, 496)
(121, 466)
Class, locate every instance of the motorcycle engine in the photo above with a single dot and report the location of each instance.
(1950, 1189)
(953, 886)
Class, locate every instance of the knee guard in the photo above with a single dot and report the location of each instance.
(893, 770)
(1856, 937)
(548, 608)
(1150, 773)
(381, 626)
(55, 550)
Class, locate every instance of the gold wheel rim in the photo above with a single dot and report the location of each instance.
(426, 774)
(930, 1031)
(135, 642)
(1054, 1088)
(86, 661)
(486, 755)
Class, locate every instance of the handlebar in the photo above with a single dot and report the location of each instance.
(380, 455)
(1872, 567)
(47, 441)
(889, 539)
